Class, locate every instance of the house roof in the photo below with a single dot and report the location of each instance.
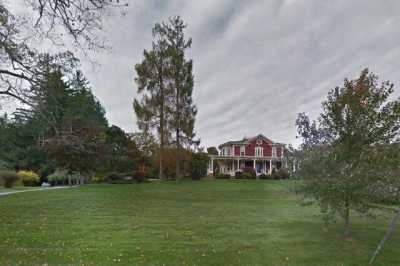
(246, 141)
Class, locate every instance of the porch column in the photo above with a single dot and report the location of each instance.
(211, 167)
(254, 164)
(270, 166)
(238, 164)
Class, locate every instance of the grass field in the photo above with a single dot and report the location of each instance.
(180, 223)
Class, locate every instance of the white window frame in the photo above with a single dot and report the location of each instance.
(242, 150)
(274, 152)
(259, 151)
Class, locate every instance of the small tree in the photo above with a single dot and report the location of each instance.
(199, 164)
(344, 155)
(212, 151)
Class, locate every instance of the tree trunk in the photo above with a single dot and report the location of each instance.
(178, 126)
(178, 151)
(388, 233)
(347, 224)
(161, 173)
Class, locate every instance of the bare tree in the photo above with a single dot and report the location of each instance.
(53, 20)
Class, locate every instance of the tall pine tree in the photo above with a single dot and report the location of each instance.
(182, 81)
(153, 110)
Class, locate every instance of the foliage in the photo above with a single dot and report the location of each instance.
(139, 176)
(165, 85)
(249, 173)
(123, 154)
(264, 176)
(113, 177)
(3, 165)
(351, 148)
(169, 162)
(29, 178)
(182, 81)
(199, 165)
(212, 151)
(98, 179)
(280, 173)
(59, 177)
(222, 176)
(8, 178)
(52, 22)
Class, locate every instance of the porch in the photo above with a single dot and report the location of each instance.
(231, 165)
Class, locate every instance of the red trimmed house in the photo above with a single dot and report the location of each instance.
(258, 152)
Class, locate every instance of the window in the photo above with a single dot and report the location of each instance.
(273, 151)
(242, 150)
(259, 152)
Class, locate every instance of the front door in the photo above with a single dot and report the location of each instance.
(259, 167)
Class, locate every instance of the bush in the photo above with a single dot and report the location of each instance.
(249, 173)
(9, 178)
(29, 178)
(59, 177)
(280, 174)
(222, 176)
(98, 179)
(139, 176)
(238, 175)
(199, 165)
(264, 176)
(113, 177)
(120, 178)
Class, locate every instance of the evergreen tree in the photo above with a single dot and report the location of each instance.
(182, 81)
(153, 110)
(165, 80)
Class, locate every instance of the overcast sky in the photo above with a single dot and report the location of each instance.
(257, 64)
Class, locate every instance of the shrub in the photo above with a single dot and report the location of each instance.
(120, 178)
(98, 179)
(9, 178)
(249, 173)
(199, 165)
(279, 174)
(238, 175)
(139, 176)
(264, 176)
(59, 177)
(113, 177)
(29, 178)
(222, 176)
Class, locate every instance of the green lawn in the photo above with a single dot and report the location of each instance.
(17, 188)
(180, 223)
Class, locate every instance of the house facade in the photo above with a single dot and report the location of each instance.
(259, 153)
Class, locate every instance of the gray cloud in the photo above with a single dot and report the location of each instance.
(257, 63)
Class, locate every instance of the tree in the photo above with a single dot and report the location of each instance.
(182, 81)
(345, 155)
(49, 20)
(153, 110)
(199, 165)
(212, 151)
(124, 153)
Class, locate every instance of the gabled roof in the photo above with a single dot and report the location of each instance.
(246, 141)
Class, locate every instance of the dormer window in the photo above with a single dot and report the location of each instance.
(259, 151)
